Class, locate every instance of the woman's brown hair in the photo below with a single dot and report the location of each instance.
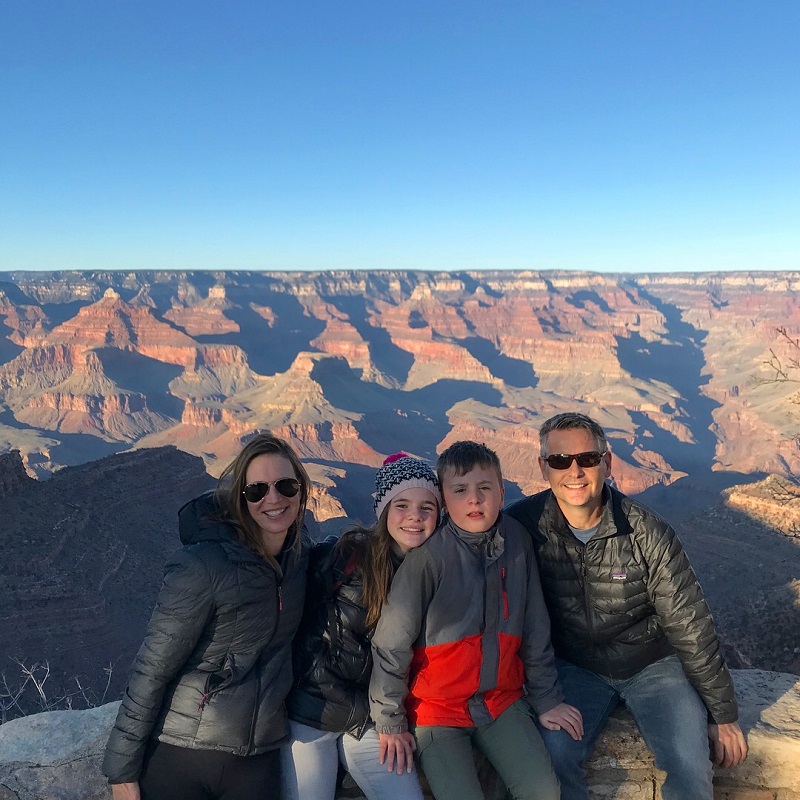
(230, 488)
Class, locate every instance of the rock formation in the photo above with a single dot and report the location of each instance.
(82, 562)
(13, 476)
(677, 367)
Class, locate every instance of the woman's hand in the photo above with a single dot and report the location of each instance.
(125, 791)
(397, 750)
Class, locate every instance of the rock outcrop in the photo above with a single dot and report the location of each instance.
(82, 562)
(57, 755)
(13, 476)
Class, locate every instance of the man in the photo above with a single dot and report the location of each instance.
(629, 621)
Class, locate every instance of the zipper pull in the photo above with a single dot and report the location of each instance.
(280, 599)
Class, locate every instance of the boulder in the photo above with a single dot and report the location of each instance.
(57, 755)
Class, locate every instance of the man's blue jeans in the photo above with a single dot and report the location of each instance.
(670, 714)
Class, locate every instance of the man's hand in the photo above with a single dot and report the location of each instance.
(730, 746)
(125, 791)
(563, 717)
(397, 751)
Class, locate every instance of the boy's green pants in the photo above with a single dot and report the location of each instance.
(511, 743)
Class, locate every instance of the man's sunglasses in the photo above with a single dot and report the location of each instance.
(585, 460)
(254, 492)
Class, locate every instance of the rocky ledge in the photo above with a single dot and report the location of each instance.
(56, 755)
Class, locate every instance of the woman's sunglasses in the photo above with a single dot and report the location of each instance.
(585, 460)
(254, 492)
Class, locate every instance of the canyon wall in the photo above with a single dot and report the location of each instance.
(350, 366)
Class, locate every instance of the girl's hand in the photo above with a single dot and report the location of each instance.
(397, 750)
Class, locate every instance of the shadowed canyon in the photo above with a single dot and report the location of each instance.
(689, 374)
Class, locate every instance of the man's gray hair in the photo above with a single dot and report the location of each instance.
(572, 420)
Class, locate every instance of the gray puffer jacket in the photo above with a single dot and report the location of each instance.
(215, 664)
(626, 598)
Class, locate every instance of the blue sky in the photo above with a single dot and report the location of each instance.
(608, 135)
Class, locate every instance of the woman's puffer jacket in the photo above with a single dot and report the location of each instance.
(332, 655)
(215, 665)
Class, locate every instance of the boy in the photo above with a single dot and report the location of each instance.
(462, 650)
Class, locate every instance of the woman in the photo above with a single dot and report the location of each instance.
(203, 714)
(348, 583)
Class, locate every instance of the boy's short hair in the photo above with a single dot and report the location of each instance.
(462, 457)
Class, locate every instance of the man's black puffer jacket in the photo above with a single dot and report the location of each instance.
(215, 665)
(627, 598)
(332, 657)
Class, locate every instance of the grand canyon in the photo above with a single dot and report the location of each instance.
(131, 390)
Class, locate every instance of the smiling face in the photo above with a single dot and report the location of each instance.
(578, 490)
(473, 500)
(274, 514)
(412, 517)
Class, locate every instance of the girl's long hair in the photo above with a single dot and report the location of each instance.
(233, 505)
(371, 548)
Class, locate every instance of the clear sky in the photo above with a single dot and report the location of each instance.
(609, 135)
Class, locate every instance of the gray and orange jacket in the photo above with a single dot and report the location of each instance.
(464, 633)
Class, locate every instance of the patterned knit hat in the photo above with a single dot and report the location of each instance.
(400, 472)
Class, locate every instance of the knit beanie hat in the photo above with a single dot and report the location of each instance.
(399, 472)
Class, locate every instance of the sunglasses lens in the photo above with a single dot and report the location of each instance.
(254, 492)
(585, 460)
(288, 487)
(588, 459)
(559, 461)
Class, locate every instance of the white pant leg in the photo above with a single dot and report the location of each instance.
(360, 758)
(310, 764)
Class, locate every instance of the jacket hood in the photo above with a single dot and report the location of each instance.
(199, 521)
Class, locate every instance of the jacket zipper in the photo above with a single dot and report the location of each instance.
(505, 593)
(251, 738)
(586, 608)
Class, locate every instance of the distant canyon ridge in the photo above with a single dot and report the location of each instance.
(351, 366)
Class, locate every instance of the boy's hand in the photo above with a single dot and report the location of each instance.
(397, 750)
(563, 717)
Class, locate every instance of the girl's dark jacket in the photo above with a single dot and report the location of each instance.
(215, 665)
(332, 658)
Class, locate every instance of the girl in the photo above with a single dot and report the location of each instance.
(348, 583)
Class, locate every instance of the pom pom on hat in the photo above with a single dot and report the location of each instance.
(395, 457)
(399, 472)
